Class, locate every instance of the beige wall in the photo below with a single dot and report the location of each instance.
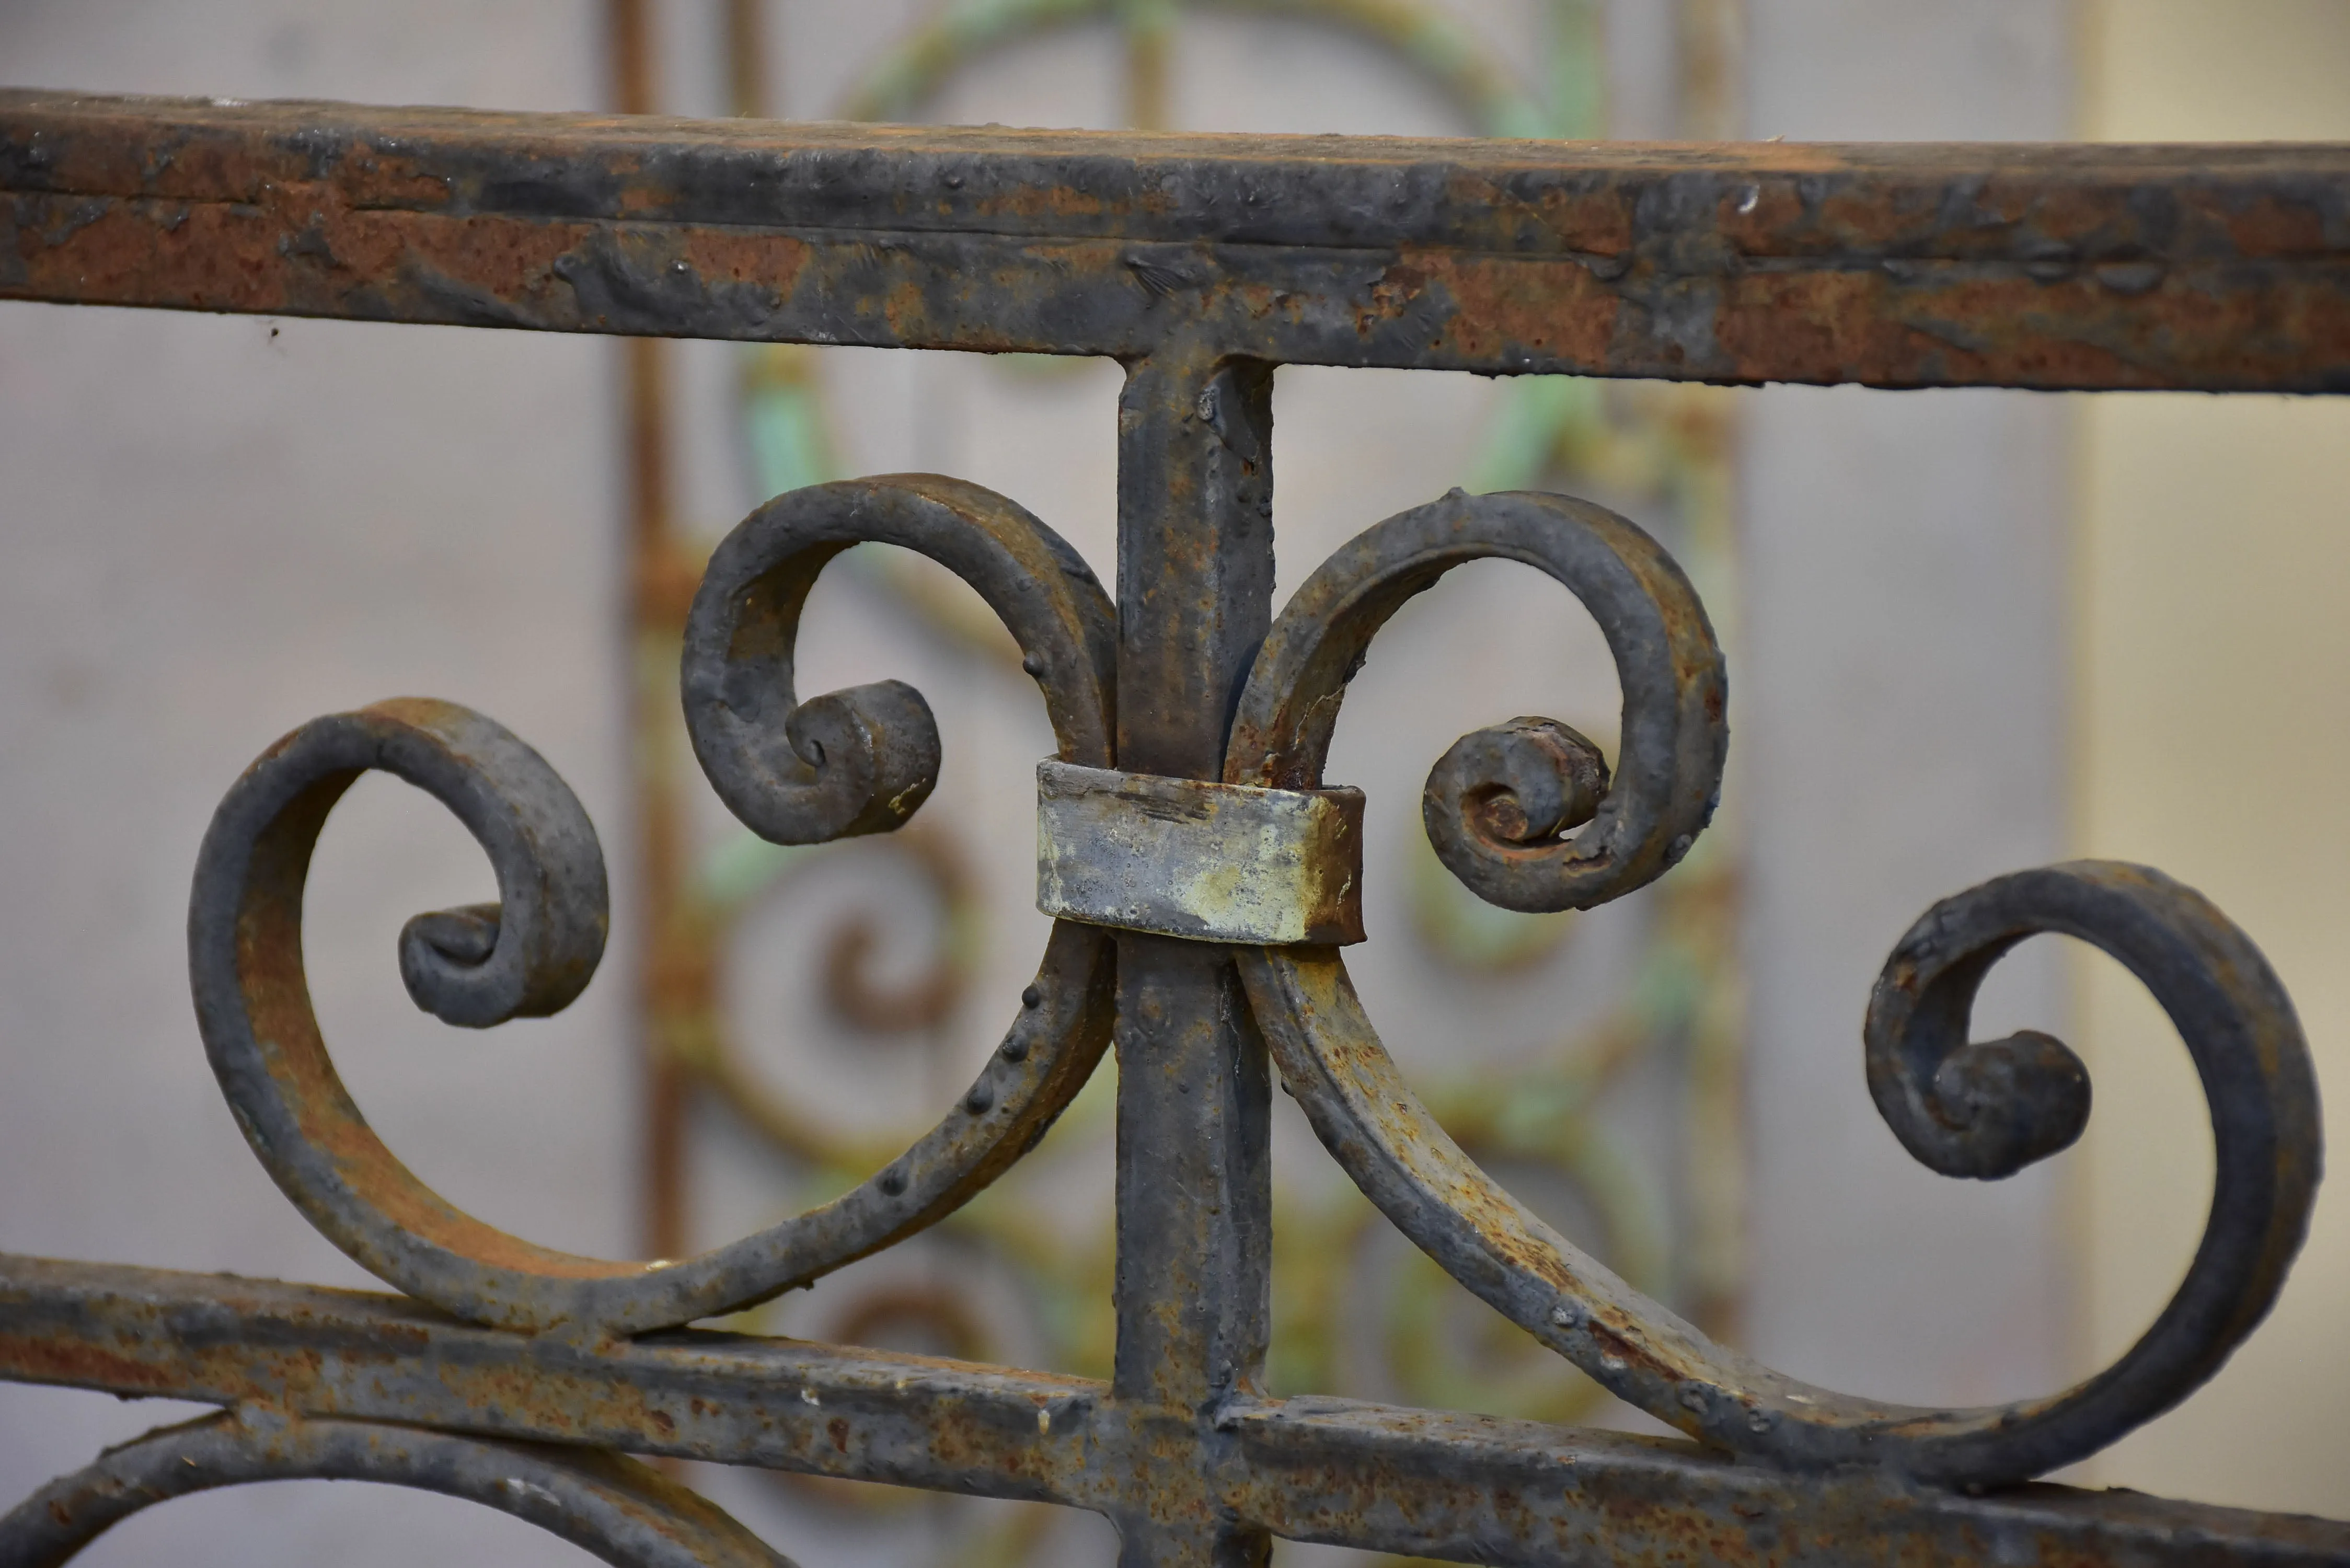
(1899, 731)
(2215, 742)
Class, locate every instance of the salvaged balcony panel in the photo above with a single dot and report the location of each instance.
(1181, 708)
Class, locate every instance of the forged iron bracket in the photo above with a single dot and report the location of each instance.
(1211, 862)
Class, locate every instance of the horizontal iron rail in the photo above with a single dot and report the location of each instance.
(1200, 262)
(2219, 269)
(1333, 1471)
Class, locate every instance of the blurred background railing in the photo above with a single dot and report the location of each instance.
(1968, 631)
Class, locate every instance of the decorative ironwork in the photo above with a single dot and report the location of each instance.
(1354, 1314)
(1199, 264)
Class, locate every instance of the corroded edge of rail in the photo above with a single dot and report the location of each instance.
(1319, 1470)
(2219, 268)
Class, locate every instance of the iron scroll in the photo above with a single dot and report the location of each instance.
(833, 765)
(1200, 263)
(626, 1513)
(1981, 1110)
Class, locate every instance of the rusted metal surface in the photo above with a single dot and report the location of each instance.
(1908, 266)
(624, 1511)
(1211, 862)
(1485, 801)
(1201, 263)
(1367, 1113)
(1472, 1488)
(862, 760)
(1973, 1110)
(529, 955)
(1194, 1204)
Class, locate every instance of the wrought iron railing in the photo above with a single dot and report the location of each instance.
(1192, 727)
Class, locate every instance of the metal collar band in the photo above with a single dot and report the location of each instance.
(1213, 862)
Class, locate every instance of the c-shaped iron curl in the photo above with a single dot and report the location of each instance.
(1965, 1109)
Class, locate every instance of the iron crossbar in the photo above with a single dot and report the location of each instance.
(521, 1376)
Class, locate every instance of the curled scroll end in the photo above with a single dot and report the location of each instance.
(1499, 803)
(444, 961)
(1982, 1109)
(452, 962)
(874, 751)
(845, 763)
(1522, 784)
(532, 953)
(2001, 1105)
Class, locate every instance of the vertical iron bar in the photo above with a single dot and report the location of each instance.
(1194, 1191)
